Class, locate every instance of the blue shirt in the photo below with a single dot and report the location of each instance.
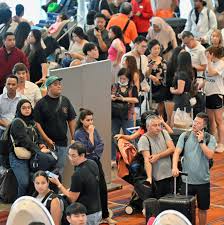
(195, 163)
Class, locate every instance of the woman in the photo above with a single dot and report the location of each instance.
(79, 39)
(157, 74)
(21, 34)
(43, 193)
(87, 134)
(36, 57)
(216, 40)
(124, 96)
(164, 33)
(171, 70)
(116, 50)
(214, 91)
(182, 83)
(25, 134)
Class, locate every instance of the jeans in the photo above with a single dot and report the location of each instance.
(94, 219)
(117, 124)
(66, 62)
(62, 153)
(21, 170)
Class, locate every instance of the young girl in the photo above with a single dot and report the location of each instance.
(43, 194)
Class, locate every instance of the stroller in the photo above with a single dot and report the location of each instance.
(130, 166)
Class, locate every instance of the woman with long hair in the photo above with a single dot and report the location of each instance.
(182, 83)
(43, 194)
(116, 50)
(75, 51)
(36, 57)
(214, 91)
(216, 40)
(24, 133)
(87, 134)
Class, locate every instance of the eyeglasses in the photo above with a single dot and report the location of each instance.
(72, 156)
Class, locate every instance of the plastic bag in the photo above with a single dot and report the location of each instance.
(182, 119)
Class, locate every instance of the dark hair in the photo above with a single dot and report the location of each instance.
(153, 43)
(118, 32)
(40, 173)
(126, 8)
(21, 33)
(132, 66)
(172, 65)
(19, 10)
(144, 117)
(5, 15)
(123, 71)
(19, 67)
(79, 147)
(82, 115)
(100, 15)
(8, 34)
(216, 51)
(13, 77)
(88, 47)
(140, 39)
(90, 17)
(79, 32)
(187, 34)
(203, 116)
(63, 16)
(76, 208)
(184, 63)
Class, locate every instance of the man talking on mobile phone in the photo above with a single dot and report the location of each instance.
(198, 149)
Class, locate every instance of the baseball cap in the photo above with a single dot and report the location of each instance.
(50, 80)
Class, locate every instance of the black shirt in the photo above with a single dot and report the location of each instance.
(54, 123)
(35, 65)
(185, 77)
(92, 38)
(86, 181)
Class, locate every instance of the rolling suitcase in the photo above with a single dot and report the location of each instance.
(185, 204)
(151, 206)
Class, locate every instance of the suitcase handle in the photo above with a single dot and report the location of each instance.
(175, 183)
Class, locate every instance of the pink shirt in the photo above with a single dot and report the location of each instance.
(112, 52)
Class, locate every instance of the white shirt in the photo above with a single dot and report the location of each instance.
(8, 107)
(31, 91)
(215, 84)
(198, 56)
(206, 24)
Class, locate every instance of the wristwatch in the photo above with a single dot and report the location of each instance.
(201, 142)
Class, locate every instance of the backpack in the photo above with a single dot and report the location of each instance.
(63, 202)
(207, 140)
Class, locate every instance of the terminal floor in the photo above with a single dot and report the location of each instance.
(119, 198)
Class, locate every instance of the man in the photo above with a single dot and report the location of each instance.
(8, 102)
(9, 56)
(140, 46)
(85, 183)
(197, 153)
(197, 52)
(53, 114)
(123, 21)
(25, 87)
(99, 36)
(76, 214)
(142, 12)
(156, 147)
(201, 21)
(91, 53)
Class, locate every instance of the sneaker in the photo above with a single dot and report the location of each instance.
(219, 148)
(108, 220)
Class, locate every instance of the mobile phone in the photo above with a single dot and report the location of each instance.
(51, 175)
(96, 28)
(151, 63)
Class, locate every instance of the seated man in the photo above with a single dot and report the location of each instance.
(85, 183)
(156, 147)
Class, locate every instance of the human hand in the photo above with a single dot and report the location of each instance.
(97, 33)
(172, 90)
(138, 13)
(42, 80)
(54, 181)
(45, 150)
(161, 119)
(200, 136)
(91, 129)
(175, 172)
(50, 143)
(149, 179)
(209, 56)
(154, 158)
(118, 136)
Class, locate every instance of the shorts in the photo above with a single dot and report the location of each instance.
(214, 101)
(202, 192)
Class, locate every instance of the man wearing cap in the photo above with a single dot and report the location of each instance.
(53, 113)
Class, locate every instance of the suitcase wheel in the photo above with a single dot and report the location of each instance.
(129, 210)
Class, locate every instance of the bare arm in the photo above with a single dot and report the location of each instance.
(148, 165)
(4, 122)
(207, 151)
(176, 155)
(128, 137)
(72, 125)
(180, 88)
(211, 70)
(56, 212)
(200, 67)
(44, 70)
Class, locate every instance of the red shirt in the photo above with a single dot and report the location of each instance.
(142, 21)
(7, 62)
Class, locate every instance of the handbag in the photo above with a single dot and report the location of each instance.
(20, 152)
(43, 161)
(182, 119)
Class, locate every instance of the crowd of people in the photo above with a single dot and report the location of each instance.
(148, 68)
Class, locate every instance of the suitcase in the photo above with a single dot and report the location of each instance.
(151, 207)
(185, 204)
